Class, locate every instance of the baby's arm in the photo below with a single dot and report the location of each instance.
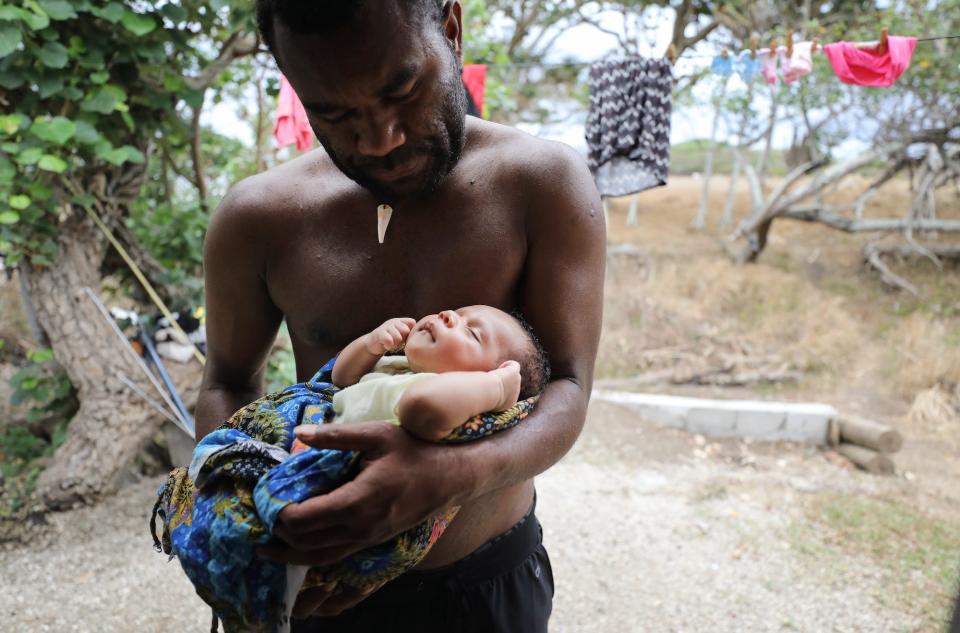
(359, 357)
(433, 407)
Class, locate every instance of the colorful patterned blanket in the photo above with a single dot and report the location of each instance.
(219, 510)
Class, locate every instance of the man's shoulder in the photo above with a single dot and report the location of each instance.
(280, 189)
(523, 155)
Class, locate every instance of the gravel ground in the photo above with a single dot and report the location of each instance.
(649, 530)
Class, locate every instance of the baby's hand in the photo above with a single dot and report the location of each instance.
(509, 375)
(389, 336)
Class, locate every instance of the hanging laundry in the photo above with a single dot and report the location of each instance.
(747, 66)
(768, 65)
(474, 80)
(799, 63)
(722, 65)
(868, 66)
(628, 125)
(291, 125)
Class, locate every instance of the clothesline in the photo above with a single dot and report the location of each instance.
(694, 56)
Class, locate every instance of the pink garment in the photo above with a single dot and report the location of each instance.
(768, 65)
(868, 67)
(800, 63)
(291, 125)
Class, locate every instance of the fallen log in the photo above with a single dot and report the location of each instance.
(869, 434)
(869, 460)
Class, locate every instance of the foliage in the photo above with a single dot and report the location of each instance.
(91, 85)
(45, 384)
(282, 365)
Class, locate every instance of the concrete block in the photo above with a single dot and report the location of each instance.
(772, 421)
(763, 425)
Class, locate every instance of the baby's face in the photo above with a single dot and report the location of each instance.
(475, 338)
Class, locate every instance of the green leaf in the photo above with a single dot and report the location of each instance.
(29, 156)
(85, 200)
(137, 23)
(41, 355)
(10, 148)
(113, 12)
(9, 217)
(57, 130)
(219, 4)
(175, 13)
(19, 202)
(10, 38)
(11, 13)
(86, 133)
(11, 80)
(117, 156)
(100, 77)
(49, 162)
(36, 21)
(133, 154)
(49, 86)
(10, 123)
(53, 55)
(105, 100)
(58, 9)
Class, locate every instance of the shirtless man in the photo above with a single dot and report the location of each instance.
(482, 214)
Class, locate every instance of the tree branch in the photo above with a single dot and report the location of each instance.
(238, 45)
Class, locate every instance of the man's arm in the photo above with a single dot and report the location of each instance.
(242, 321)
(561, 293)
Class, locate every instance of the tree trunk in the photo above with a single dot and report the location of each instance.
(111, 424)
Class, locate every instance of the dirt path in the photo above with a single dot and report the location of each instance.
(649, 529)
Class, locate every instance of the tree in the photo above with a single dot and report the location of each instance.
(92, 91)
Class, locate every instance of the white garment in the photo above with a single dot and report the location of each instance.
(378, 393)
(799, 64)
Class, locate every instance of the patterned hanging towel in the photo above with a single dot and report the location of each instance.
(628, 126)
(216, 513)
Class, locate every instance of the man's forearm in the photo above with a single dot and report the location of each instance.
(216, 404)
(506, 459)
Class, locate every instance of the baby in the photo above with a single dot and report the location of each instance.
(459, 368)
(457, 364)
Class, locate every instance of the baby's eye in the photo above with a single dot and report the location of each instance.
(475, 335)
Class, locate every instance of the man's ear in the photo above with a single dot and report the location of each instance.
(453, 25)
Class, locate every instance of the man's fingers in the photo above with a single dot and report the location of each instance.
(311, 599)
(328, 537)
(313, 558)
(316, 514)
(363, 436)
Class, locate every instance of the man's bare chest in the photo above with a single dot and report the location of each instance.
(334, 281)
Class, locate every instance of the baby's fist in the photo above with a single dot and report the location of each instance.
(389, 336)
(509, 374)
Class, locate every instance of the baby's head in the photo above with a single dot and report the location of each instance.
(478, 338)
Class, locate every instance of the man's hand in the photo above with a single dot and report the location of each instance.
(389, 336)
(402, 482)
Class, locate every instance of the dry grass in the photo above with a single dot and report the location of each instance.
(808, 301)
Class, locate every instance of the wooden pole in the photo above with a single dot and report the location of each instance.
(868, 460)
(869, 434)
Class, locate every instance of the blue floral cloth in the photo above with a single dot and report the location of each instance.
(216, 513)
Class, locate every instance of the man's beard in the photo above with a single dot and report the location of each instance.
(443, 152)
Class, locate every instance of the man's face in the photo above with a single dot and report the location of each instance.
(383, 95)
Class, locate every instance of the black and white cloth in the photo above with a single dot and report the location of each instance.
(628, 126)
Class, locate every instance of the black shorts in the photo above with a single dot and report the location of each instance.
(505, 586)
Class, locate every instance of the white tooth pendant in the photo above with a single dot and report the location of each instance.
(384, 211)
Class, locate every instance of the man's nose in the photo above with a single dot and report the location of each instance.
(379, 134)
